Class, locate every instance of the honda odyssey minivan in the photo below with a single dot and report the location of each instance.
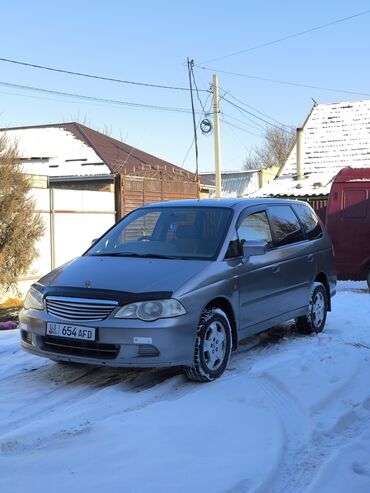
(182, 283)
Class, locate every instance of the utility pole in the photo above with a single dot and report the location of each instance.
(190, 73)
(216, 124)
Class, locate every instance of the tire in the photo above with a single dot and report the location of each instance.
(212, 347)
(368, 279)
(315, 319)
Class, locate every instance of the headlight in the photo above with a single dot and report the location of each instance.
(151, 310)
(33, 300)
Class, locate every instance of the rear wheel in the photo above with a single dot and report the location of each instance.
(368, 279)
(212, 347)
(315, 319)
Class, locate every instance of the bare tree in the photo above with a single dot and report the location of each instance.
(274, 150)
(20, 226)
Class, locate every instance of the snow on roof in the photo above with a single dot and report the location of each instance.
(334, 136)
(313, 184)
(86, 152)
(54, 151)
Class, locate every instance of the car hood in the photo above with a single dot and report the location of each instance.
(135, 275)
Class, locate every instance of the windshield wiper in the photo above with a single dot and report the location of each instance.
(131, 254)
(157, 255)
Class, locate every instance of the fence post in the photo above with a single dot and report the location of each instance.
(52, 228)
(162, 185)
(118, 196)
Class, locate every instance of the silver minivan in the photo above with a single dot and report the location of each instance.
(182, 283)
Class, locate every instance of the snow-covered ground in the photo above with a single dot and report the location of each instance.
(290, 415)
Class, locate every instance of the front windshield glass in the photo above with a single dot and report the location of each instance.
(176, 232)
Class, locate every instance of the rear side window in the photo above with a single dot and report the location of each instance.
(255, 227)
(285, 226)
(309, 220)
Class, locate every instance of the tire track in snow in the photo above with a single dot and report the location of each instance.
(295, 423)
(30, 404)
(73, 388)
(311, 441)
(48, 389)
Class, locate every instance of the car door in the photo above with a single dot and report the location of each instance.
(259, 277)
(296, 257)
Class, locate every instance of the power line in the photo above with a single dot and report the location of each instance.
(256, 123)
(96, 99)
(287, 83)
(240, 128)
(192, 142)
(236, 135)
(260, 112)
(196, 87)
(255, 116)
(241, 102)
(247, 124)
(92, 76)
(190, 74)
(290, 36)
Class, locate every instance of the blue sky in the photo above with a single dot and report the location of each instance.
(149, 41)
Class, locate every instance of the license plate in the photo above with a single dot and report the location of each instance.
(70, 331)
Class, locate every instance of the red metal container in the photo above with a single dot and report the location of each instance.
(348, 223)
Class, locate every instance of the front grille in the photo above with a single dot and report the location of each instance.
(79, 348)
(79, 308)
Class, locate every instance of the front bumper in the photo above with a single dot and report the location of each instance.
(120, 343)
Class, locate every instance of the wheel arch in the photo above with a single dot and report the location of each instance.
(366, 272)
(321, 277)
(366, 266)
(225, 305)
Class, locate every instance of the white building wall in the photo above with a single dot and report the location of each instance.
(72, 219)
(253, 184)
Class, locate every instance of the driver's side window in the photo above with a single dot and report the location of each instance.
(255, 227)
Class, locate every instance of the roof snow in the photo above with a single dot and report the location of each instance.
(72, 149)
(54, 151)
(334, 136)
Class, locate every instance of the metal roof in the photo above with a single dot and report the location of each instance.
(235, 183)
(117, 156)
(334, 136)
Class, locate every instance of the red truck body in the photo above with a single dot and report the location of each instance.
(348, 223)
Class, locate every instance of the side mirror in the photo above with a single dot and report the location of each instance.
(254, 247)
(94, 241)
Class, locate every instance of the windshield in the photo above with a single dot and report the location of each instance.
(163, 232)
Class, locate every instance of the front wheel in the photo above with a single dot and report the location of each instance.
(368, 279)
(212, 347)
(315, 319)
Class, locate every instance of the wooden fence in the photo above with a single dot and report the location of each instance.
(135, 191)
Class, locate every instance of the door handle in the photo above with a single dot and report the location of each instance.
(276, 269)
(310, 257)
